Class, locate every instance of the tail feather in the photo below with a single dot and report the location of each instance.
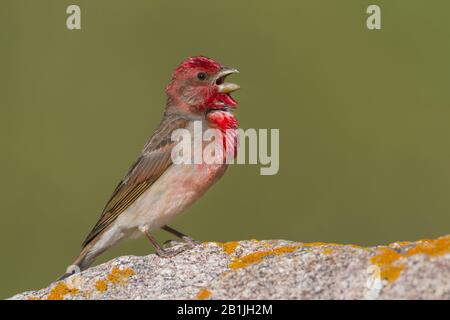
(82, 262)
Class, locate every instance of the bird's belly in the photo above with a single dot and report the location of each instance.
(178, 188)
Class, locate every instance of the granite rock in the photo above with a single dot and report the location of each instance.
(268, 269)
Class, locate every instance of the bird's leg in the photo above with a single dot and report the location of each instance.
(180, 235)
(160, 251)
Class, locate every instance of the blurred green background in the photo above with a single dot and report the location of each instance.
(363, 118)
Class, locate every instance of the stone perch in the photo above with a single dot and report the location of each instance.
(274, 269)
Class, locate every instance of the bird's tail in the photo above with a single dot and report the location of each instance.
(82, 262)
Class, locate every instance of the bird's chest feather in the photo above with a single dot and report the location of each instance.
(177, 188)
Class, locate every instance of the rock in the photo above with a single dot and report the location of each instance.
(275, 269)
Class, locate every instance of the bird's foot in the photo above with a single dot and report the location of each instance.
(171, 243)
(190, 241)
(186, 240)
(171, 249)
(181, 235)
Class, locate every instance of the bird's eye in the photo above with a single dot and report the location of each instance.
(201, 76)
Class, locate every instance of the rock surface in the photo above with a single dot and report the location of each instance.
(275, 269)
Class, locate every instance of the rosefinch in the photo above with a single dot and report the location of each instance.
(155, 190)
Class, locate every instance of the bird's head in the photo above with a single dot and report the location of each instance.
(198, 85)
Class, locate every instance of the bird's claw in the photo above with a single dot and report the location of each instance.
(190, 241)
(170, 244)
(170, 253)
(169, 249)
(186, 240)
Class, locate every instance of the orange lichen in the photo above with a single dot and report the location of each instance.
(390, 261)
(327, 250)
(229, 247)
(60, 290)
(386, 260)
(251, 258)
(386, 256)
(283, 250)
(391, 273)
(435, 247)
(120, 275)
(256, 257)
(204, 294)
(101, 285)
(400, 243)
(319, 244)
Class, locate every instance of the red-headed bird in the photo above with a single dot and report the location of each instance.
(155, 190)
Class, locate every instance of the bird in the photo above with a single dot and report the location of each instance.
(156, 189)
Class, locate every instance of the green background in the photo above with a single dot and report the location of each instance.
(363, 118)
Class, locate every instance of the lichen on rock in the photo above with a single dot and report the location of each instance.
(268, 269)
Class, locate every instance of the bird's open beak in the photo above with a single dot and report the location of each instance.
(225, 88)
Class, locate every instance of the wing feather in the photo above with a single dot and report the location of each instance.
(153, 161)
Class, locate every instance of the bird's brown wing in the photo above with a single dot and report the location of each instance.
(153, 161)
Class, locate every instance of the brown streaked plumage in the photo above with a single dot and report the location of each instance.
(149, 166)
(155, 190)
